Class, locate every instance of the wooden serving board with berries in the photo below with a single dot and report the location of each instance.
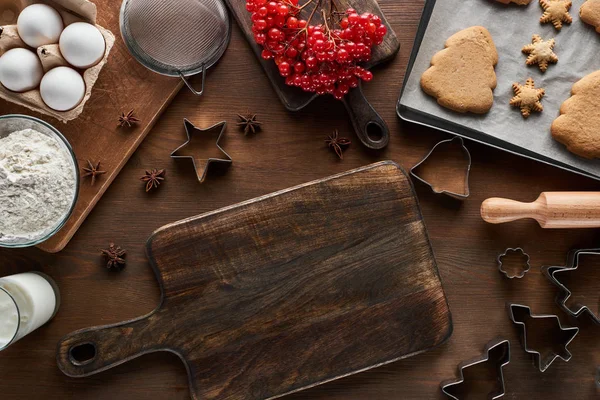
(286, 291)
(313, 47)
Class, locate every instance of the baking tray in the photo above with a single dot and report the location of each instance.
(407, 112)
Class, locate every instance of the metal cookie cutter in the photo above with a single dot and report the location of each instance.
(201, 164)
(496, 351)
(518, 275)
(567, 335)
(563, 295)
(450, 144)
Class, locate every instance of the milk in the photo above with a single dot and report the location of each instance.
(27, 302)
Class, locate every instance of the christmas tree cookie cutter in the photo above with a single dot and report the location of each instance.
(518, 311)
(564, 293)
(451, 176)
(496, 351)
(202, 164)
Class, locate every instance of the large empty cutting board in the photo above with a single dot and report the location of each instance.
(285, 291)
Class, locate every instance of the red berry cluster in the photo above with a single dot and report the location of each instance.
(317, 58)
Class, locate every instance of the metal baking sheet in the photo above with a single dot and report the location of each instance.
(511, 26)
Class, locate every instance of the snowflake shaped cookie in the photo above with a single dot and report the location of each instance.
(527, 97)
(540, 52)
(557, 12)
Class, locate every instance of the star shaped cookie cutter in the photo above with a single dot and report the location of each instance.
(542, 362)
(201, 165)
(564, 293)
(497, 351)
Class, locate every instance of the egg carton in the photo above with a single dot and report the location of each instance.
(71, 11)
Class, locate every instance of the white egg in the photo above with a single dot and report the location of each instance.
(20, 70)
(39, 24)
(82, 45)
(62, 88)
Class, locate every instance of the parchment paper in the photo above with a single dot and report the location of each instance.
(512, 26)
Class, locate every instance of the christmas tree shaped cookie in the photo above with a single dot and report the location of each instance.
(590, 13)
(577, 126)
(462, 76)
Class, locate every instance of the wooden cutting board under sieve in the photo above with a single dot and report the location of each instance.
(286, 291)
(123, 85)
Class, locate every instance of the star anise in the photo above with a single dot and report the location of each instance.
(115, 257)
(127, 120)
(248, 123)
(93, 171)
(153, 178)
(337, 143)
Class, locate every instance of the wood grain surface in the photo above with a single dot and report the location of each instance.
(286, 291)
(123, 85)
(290, 150)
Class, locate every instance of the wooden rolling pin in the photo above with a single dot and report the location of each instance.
(552, 210)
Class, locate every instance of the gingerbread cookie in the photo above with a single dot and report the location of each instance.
(557, 12)
(590, 13)
(540, 52)
(527, 98)
(462, 76)
(577, 126)
(519, 2)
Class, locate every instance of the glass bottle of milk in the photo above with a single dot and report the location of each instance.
(27, 301)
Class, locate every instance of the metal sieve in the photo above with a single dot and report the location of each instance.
(176, 38)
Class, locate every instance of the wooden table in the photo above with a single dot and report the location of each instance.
(290, 151)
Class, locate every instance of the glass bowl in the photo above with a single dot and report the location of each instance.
(13, 123)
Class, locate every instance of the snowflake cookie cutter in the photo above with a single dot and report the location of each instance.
(525, 269)
(564, 293)
(496, 351)
(449, 143)
(542, 362)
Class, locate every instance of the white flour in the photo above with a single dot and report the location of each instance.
(37, 184)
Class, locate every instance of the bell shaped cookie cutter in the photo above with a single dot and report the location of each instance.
(496, 351)
(454, 144)
(525, 269)
(564, 293)
(542, 362)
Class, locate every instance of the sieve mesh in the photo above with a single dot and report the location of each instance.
(170, 37)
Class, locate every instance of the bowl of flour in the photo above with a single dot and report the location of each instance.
(39, 181)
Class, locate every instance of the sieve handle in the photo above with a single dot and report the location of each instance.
(189, 85)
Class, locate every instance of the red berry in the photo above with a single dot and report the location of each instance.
(292, 22)
(260, 25)
(262, 12)
(284, 68)
(299, 67)
(272, 7)
(311, 62)
(291, 52)
(353, 18)
(266, 54)
(366, 76)
(381, 30)
(274, 33)
(302, 23)
(260, 38)
(344, 23)
(342, 56)
(282, 9)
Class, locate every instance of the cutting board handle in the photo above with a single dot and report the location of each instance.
(93, 350)
(370, 128)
